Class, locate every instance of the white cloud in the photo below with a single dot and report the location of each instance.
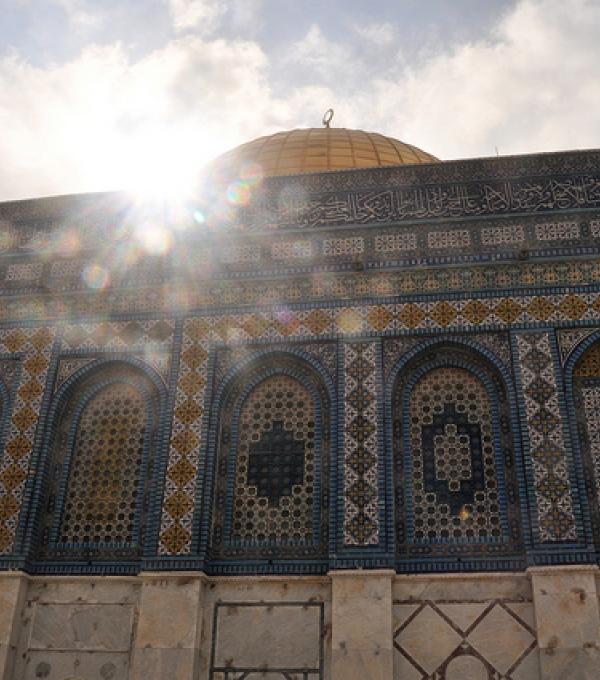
(317, 57)
(105, 118)
(79, 13)
(201, 15)
(534, 87)
(380, 34)
(103, 121)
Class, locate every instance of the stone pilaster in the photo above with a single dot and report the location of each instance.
(568, 621)
(362, 625)
(13, 589)
(167, 644)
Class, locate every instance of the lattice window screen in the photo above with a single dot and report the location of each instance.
(274, 478)
(104, 479)
(455, 493)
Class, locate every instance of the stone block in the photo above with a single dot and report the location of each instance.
(566, 607)
(268, 636)
(53, 665)
(361, 612)
(570, 664)
(163, 664)
(358, 664)
(91, 627)
(568, 621)
(170, 608)
(13, 588)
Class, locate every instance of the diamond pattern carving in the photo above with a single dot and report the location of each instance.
(435, 640)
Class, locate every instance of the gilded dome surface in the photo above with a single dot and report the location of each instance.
(320, 150)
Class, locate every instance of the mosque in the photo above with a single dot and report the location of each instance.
(337, 419)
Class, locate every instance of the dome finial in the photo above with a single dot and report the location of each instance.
(327, 116)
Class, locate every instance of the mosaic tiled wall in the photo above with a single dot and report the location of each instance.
(453, 462)
(546, 438)
(201, 334)
(362, 444)
(33, 348)
(365, 281)
(102, 450)
(456, 476)
(586, 403)
(151, 341)
(186, 438)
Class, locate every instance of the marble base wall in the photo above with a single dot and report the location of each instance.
(568, 621)
(539, 625)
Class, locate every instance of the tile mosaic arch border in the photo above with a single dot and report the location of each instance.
(197, 336)
(92, 390)
(256, 355)
(475, 349)
(269, 372)
(592, 533)
(39, 350)
(456, 315)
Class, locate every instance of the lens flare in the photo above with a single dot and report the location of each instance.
(238, 193)
(122, 231)
(154, 239)
(66, 243)
(127, 254)
(96, 277)
(252, 174)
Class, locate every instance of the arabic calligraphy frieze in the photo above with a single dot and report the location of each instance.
(294, 208)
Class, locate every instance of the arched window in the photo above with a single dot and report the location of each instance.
(102, 455)
(272, 471)
(586, 388)
(455, 482)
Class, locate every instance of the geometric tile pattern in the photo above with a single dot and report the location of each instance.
(343, 246)
(114, 335)
(269, 451)
(228, 358)
(455, 492)
(473, 640)
(343, 286)
(569, 339)
(361, 445)
(591, 403)
(275, 464)
(546, 438)
(455, 479)
(557, 231)
(200, 334)
(586, 379)
(8, 373)
(100, 503)
(588, 365)
(335, 286)
(182, 466)
(35, 345)
(67, 367)
(457, 238)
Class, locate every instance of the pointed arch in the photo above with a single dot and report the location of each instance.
(456, 460)
(271, 459)
(100, 451)
(582, 380)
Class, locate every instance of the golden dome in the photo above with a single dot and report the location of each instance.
(320, 150)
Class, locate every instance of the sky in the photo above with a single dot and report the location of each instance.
(141, 94)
